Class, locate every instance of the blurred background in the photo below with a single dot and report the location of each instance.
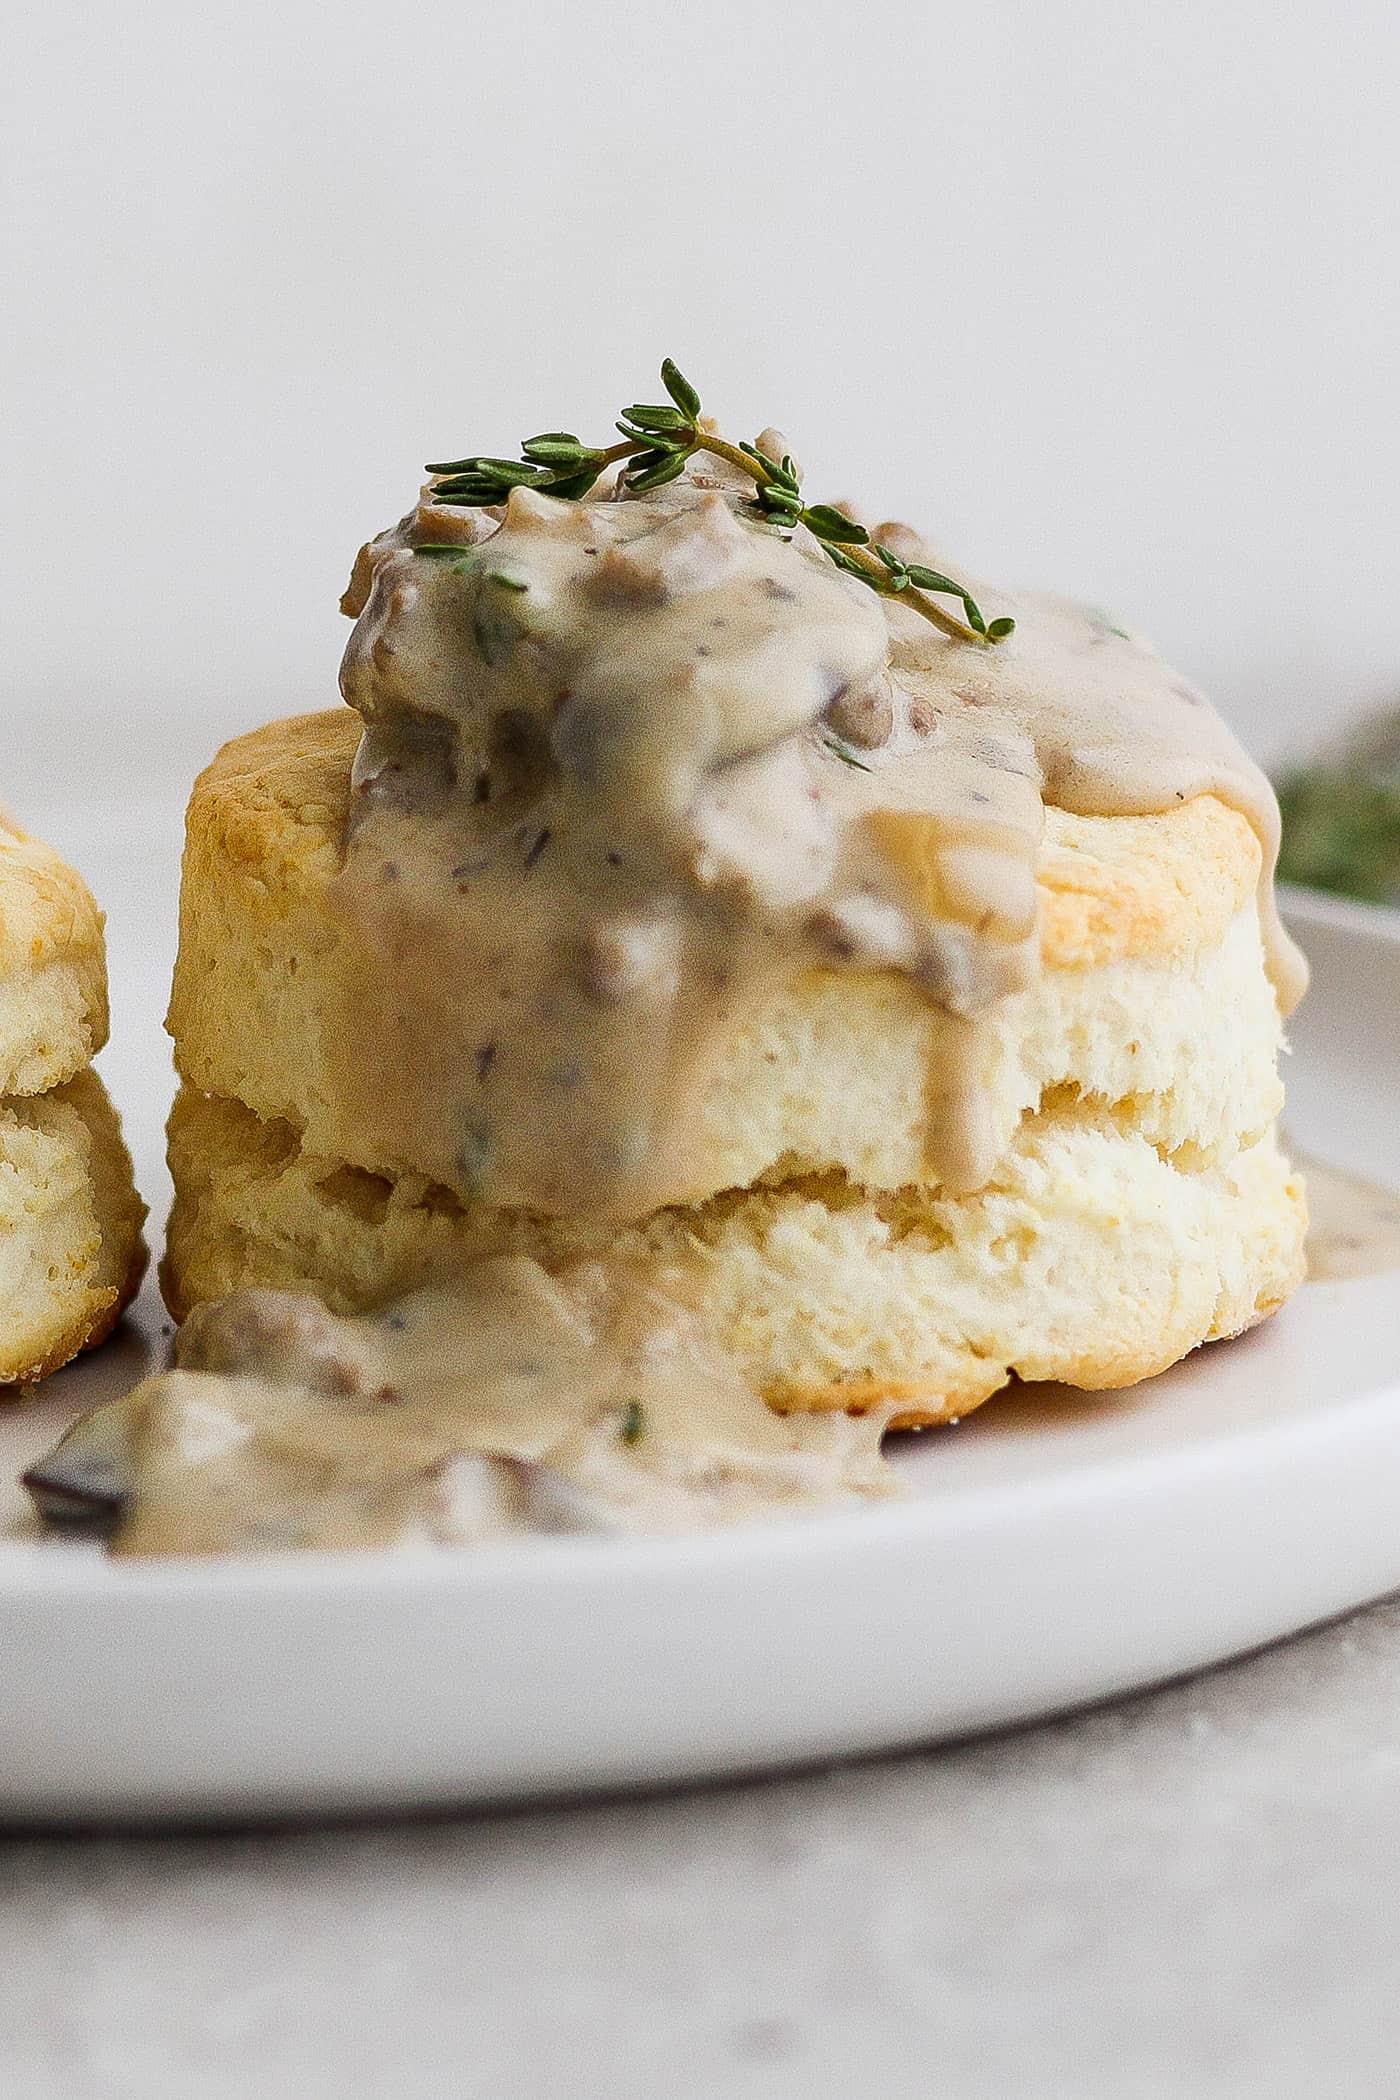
(1106, 295)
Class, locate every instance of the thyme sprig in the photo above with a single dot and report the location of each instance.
(658, 439)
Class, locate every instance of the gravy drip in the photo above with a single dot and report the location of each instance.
(628, 764)
(1353, 1223)
(511, 1402)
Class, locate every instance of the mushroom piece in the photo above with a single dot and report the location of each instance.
(86, 1480)
(864, 718)
(284, 1337)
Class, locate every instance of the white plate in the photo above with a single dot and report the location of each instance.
(1054, 1549)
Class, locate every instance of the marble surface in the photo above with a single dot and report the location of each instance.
(1189, 1895)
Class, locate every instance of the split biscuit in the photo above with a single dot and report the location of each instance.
(1140, 1204)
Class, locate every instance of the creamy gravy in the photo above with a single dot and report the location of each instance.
(627, 764)
(513, 1402)
(1353, 1224)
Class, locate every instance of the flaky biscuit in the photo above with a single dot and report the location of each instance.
(1139, 1207)
(71, 1253)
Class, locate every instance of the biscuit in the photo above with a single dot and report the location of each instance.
(1139, 1207)
(71, 1253)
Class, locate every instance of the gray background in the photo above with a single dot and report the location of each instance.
(1106, 294)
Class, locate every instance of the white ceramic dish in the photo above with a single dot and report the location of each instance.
(1054, 1549)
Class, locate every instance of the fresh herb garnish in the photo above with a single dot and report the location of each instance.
(1341, 832)
(470, 558)
(842, 750)
(1341, 813)
(634, 1423)
(658, 440)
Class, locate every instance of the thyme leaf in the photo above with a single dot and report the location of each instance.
(680, 390)
(838, 746)
(634, 1423)
(464, 557)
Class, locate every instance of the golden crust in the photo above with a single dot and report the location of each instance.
(1163, 885)
(53, 982)
(71, 1252)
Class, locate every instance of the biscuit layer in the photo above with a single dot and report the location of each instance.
(1097, 1255)
(1140, 1205)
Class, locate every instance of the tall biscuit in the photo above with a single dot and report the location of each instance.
(1139, 1207)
